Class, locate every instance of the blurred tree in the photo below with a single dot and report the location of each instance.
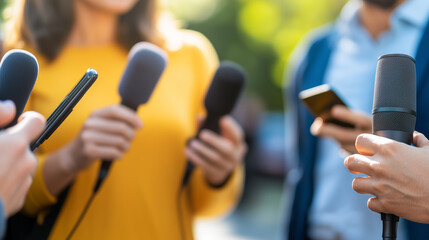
(258, 34)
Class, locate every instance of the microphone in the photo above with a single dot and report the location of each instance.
(18, 74)
(394, 110)
(146, 63)
(225, 89)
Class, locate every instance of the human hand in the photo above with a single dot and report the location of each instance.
(218, 154)
(346, 137)
(397, 175)
(17, 162)
(106, 134)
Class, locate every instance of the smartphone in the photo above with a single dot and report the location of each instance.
(66, 107)
(320, 100)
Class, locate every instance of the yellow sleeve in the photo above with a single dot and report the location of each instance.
(206, 200)
(38, 197)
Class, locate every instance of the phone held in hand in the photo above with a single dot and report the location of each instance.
(320, 100)
(66, 107)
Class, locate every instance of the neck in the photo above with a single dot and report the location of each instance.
(92, 26)
(375, 19)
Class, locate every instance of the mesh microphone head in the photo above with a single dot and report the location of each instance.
(225, 89)
(395, 94)
(18, 74)
(146, 63)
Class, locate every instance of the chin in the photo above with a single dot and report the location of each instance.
(384, 4)
(113, 6)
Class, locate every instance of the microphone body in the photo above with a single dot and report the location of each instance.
(222, 95)
(394, 111)
(18, 73)
(146, 63)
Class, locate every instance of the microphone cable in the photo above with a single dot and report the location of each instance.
(180, 212)
(82, 215)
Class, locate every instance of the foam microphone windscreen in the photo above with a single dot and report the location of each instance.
(225, 89)
(146, 63)
(394, 106)
(18, 74)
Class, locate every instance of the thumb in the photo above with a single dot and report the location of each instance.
(30, 126)
(420, 140)
(7, 112)
(200, 119)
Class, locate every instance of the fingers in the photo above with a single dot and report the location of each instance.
(217, 142)
(210, 155)
(359, 164)
(102, 139)
(198, 160)
(109, 126)
(200, 119)
(363, 185)
(420, 140)
(30, 126)
(358, 119)
(94, 151)
(368, 144)
(231, 130)
(7, 112)
(121, 113)
(341, 134)
(375, 205)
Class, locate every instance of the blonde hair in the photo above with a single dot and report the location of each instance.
(45, 25)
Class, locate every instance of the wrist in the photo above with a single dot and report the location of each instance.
(69, 158)
(216, 181)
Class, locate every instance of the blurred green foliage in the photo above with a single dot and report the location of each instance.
(258, 34)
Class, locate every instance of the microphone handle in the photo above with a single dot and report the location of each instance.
(106, 164)
(210, 123)
(390, 221)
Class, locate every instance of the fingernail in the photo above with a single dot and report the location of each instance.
(194, 143)
(338, 110)
(204, 134)
(8, 105)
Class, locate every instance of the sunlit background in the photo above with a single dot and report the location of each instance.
(259, 35)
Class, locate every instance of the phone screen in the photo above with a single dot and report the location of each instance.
(320, 100)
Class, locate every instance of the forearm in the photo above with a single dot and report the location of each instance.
(58, 172)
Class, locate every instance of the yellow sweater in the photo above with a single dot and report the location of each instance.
(138, 199)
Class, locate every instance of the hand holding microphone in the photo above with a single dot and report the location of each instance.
(106, 134)
(18, 73)
(218, 154)
(397, 175)
(17, 162)
(219, 144)
(394, 117)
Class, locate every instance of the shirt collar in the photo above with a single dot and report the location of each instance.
(414, 12)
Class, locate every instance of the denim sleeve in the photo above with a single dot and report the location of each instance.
(2, 221)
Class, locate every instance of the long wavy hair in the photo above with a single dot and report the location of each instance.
(45, 25)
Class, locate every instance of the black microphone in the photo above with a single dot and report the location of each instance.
(394, 110)
(18, 74)
(146, 63)
(225, 89)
